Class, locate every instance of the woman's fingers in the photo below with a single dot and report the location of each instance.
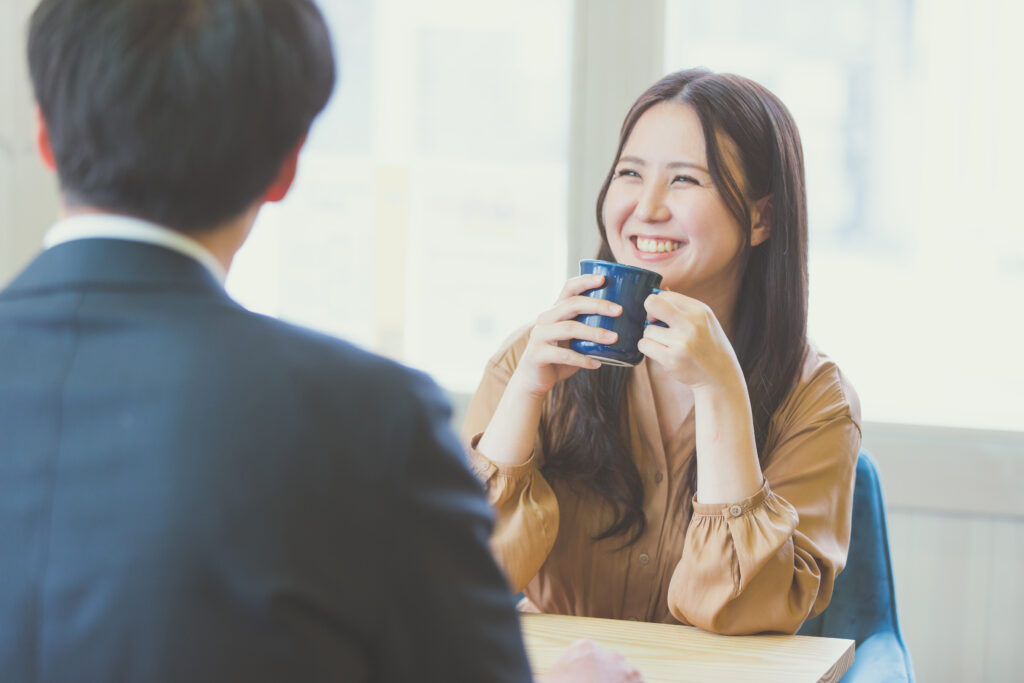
(548, 359)
(654, 350)
(658, 307)
(579, 284)
(665, 336)
(546, 354)
(546, 349)
(565, 330)
(567, 309)
(673, 308)
(684, 334)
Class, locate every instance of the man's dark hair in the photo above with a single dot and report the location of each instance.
(179, 112)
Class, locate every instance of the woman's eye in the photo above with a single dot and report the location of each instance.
(626, 173)
(685, 179)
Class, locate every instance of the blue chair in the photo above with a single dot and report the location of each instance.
(863, 606)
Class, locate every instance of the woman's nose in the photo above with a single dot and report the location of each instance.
(652, 207)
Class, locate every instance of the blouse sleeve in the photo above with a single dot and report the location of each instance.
(769, 562)
(525, 507)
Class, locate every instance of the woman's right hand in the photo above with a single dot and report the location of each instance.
(548, 359)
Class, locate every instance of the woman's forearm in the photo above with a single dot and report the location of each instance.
(511, 433)
(727, 466)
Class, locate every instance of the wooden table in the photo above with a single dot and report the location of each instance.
(666, 652)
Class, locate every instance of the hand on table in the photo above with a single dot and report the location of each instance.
(585, 662)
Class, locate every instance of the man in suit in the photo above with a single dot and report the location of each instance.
(190, 491)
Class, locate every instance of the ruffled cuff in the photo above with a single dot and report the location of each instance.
(727, 547)
(753, 530)
(486, 469)
(734, 509)
(526, 512)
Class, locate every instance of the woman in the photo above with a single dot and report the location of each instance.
(711, 484)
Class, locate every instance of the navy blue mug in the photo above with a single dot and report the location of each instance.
(627, 286)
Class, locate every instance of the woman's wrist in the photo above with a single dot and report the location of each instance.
(727, 462)
(508, 438)
(524, 389)
(728, 388)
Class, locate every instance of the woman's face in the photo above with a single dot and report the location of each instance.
(663, 213)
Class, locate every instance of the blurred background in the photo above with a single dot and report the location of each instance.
(448, 191)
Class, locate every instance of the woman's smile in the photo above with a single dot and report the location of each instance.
(654, 248)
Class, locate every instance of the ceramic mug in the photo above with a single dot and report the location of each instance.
(627, 286)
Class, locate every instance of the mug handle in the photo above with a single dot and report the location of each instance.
(656, 322)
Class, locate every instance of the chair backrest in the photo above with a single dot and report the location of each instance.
(864, 601)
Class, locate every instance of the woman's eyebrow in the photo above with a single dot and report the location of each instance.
(673, 165)
(686, 164)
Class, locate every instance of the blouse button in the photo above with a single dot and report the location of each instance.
(644, 558)
(658, 476)
(735, 511)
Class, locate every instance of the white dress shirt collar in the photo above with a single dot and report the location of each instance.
(112, 226)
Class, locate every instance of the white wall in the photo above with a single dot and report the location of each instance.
(28, 194)
(959, 593)
(956, 532)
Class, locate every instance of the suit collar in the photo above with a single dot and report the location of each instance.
(114, 264)
(115, 226)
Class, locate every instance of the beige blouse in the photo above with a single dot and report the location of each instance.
(761, 564)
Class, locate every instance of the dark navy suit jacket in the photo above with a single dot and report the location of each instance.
(193, 492)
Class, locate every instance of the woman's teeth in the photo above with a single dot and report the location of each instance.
(654, 246)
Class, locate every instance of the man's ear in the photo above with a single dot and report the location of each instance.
(43, 141)
(761, 216)
(285, 175)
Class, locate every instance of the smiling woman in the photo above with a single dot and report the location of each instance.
(738, 188)
(710, 484)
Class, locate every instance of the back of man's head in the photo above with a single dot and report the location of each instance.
(180, 112)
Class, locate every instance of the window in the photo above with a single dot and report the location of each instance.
(427, 221)
(908, 114)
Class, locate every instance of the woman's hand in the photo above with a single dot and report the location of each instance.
(694, 348)
(548, 359)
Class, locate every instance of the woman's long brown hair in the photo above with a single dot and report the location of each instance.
(584, 429)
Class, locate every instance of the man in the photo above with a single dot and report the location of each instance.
(189, 491)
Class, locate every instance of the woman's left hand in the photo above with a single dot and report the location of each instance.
(695, 351)
(694, 348)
